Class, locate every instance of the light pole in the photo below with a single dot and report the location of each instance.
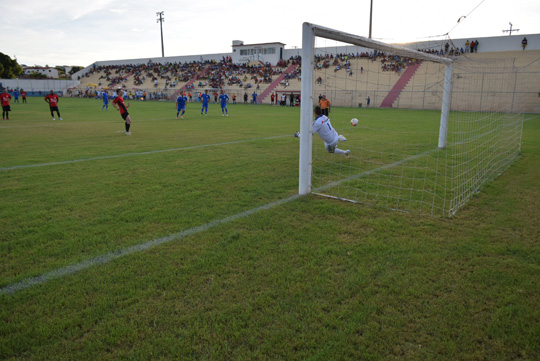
(370, 17)
(160, 21)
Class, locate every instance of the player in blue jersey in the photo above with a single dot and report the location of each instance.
(254, 96)
(205, 100)
(223, 99)
(181, 105)
(105, 96)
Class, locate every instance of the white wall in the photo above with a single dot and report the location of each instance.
(274, 58)
(48, 72)
(491, 44)
(43, 85)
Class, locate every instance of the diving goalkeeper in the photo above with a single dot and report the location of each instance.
(328, 134)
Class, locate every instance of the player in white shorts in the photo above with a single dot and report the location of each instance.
(328, 134)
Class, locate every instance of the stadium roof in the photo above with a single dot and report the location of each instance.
(273, 43)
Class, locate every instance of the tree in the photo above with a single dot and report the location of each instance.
(37, 76)
(61, 70)
(75, 69)
(9, 68)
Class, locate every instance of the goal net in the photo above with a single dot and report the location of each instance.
(432, 129)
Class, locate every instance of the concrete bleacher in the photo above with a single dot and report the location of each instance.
(200, 81)
(96, 80)
(526, 86)
(341, 87)
(423, 90)
(344, 90)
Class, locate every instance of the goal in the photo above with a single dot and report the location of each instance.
(433, 130)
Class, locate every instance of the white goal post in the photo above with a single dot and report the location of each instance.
(309, 32)
(435, 130)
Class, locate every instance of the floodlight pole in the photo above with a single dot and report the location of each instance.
(160, 21)
(370, 18)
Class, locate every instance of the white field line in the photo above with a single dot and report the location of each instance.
(103, 259)
(60, 123)
(106, 258)
(138, 153)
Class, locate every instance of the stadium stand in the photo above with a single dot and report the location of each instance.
(388, 77)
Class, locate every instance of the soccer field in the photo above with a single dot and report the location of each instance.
(187, 241)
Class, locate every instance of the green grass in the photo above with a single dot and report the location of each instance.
(395, 161)
(309, 279)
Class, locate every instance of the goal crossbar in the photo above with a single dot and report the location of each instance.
(340, 36)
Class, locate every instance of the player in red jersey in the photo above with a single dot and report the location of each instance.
(6, 108)
(53, 99)
(118, 104)
(23, 94)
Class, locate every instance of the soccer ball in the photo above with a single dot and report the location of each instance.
(354, 122)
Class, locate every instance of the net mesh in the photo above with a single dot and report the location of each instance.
(395, 161)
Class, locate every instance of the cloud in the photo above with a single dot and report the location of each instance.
(80, 32)
(119, 11)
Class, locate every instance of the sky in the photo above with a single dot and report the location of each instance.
(74, 32)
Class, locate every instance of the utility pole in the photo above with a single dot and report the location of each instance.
(160, 21)
(510, 31)
(370, 17)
